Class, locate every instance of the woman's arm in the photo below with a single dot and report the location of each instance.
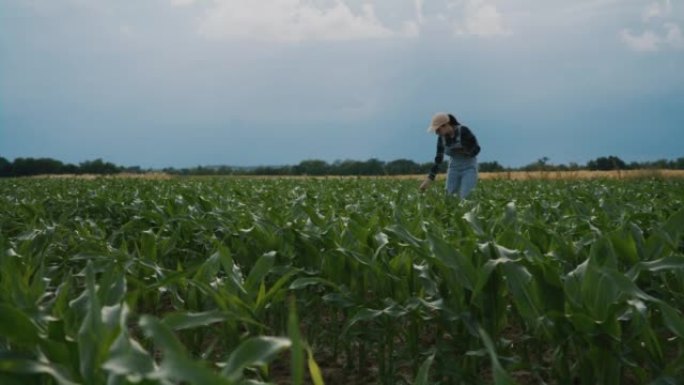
(439, 157)
(470, 144)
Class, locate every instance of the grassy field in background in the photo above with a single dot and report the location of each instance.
(510, 175)
(584, 174)
(220, 280)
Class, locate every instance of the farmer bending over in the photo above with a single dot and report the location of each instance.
(461, 145)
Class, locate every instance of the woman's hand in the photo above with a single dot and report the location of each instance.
(425, 184)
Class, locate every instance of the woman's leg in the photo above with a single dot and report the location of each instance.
(453, 179)
(468, 181)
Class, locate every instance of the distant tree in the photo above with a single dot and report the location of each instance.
(490, 166)
(355, 167)
(98, 166)
(660, 164)
(373, 167)
(425, 167)
(402, 167)
(271, 170)
(573, 166)
(631, 165)
(5, 167)
(311, 167)
(70, 169)
(32, 166)
(133, 170)
(607, 163)
(540, 165)
(679, 164)
(346, 167)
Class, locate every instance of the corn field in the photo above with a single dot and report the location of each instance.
(340, 281)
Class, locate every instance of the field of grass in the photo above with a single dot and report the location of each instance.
(584, 174)
(341, 281)
(508, 175)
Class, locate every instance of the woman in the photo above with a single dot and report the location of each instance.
(460, 144)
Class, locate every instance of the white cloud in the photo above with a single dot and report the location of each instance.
(180, 3)
(657, 10)
(652, 11)
(648, 41)
(419, 11)
(674, 36)
(337, 20)
(481, 19)
(410, 29)
(669, 35)
(291, 21)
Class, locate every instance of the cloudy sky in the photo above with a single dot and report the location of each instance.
(181, 83)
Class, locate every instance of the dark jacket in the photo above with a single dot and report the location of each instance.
(463, 144)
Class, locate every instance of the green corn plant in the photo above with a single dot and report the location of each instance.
(185, 281)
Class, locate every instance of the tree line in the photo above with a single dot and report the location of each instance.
(316, 167)
(48, 166)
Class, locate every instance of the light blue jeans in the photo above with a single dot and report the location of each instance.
(461, 176)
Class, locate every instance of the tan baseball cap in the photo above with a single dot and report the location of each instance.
(438, 119)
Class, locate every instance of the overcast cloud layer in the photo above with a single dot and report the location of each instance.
(183, 83)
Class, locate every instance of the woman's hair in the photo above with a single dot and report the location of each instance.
(453, 121)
